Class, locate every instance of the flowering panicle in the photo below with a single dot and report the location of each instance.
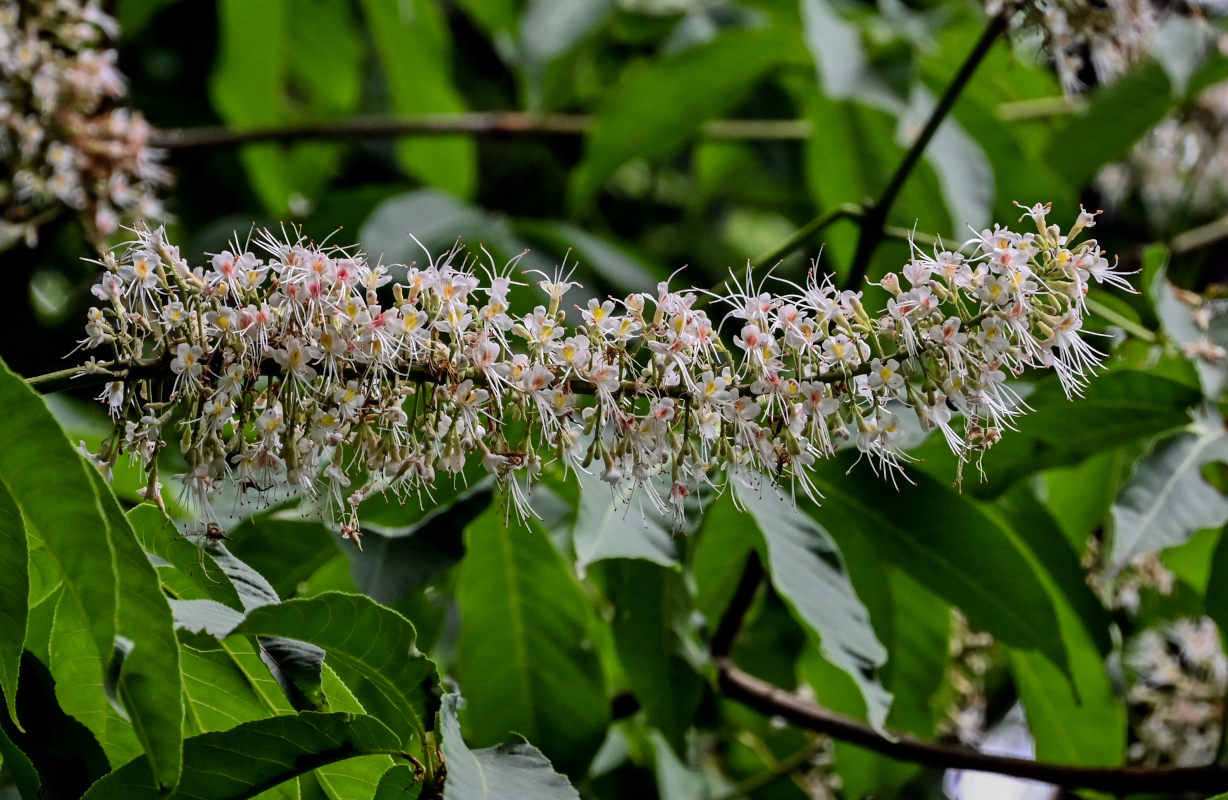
(63, 139)
(1110, 34)
(283, 362)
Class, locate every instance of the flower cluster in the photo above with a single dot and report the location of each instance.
(287, 362)
(1180, 167)
(1110, 34)
(63, 140)
(1179, 676)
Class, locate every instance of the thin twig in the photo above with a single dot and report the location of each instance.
(782, 768)
(875, 216)
(475, 123)
(799, 237)
(769, 699)
(731, 621)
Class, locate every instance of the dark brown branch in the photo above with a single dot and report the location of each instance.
(769, 699)
(477, 123)
(731, 621)
(875, 216)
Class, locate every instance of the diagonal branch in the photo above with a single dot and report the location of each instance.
(875, 216)
(770, 699)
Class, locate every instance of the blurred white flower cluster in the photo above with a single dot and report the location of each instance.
(64, 139)
(1180, 167)
(286, 362)
(1176, 696)
(1107, 35)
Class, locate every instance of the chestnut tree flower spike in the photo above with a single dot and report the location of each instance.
(308, 367)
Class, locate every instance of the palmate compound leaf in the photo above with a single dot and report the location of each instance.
(255, 756)
(807, 570)
(1166, 500)
(507, 772)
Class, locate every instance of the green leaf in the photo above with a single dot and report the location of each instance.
(357, 777)
(1057, 561)
(54, 749)
(1166, 499)
(20, 770)
(14, 597)
(77, 667)
(398, 783)
(808, 572)
(1119, 407)
(506, 772)
(650, 627)
(149, 683)
(414, 45)
(395, 561)
(48, 482)
(657, 107)
(524, 657)
(254, 756)
(363, 636)
(283, 551)
(550, 34)
(192, 573)
(606, 527)
(269, 71)
(926, 529)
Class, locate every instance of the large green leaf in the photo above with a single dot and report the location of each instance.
(149, 683)
(269, 71)
(14, 596)
(48, 482)
(355, 778)
(607, 527)
(1166, 500)
(77, 667)
(657, 107)
(54, 750)
(524, 657)
(944, 541)
(190, 572)
(249, 758)
(1056, 561)
(367, 638)
(808, 572)
(414, 45)
(506, 772)
(398, 783)
(650, 627)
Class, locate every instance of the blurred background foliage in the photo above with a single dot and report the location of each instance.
(1058, 587)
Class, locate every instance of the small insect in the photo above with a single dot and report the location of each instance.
(249, 483)
(214, 533)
